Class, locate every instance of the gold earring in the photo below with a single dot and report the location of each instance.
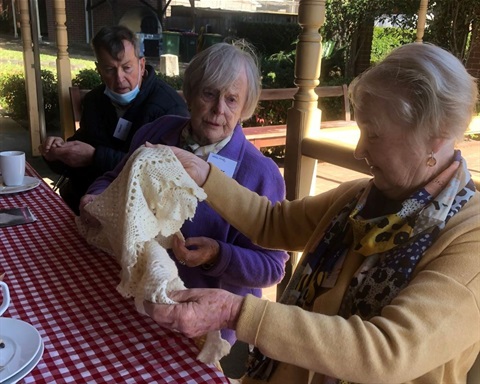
(431, 161)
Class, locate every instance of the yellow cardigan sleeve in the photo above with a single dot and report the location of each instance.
(429, 333)
(287, 225)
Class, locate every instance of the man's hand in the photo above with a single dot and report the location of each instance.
(75, 154)
(198, 312)
(48, 144)
(195, 251)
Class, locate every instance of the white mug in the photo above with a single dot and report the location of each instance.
(12, 166)
(5, 298)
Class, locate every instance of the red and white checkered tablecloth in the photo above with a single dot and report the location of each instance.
(66, 289)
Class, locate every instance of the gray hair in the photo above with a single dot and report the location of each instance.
(427, 88)
(111, 40)
(218, 67)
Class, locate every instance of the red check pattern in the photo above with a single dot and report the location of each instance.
(65, 288)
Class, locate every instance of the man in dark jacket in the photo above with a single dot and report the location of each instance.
(131, 95)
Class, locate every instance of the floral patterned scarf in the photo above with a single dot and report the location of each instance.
(392, 244)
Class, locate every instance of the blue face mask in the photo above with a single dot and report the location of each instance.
(122, 98)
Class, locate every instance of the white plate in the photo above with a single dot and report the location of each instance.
(28, 183)
(22, 344)
(25, 371)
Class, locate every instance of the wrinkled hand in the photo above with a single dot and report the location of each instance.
(75, 154)
(195, 251)
(198, 312)
(49, 143)
(86, 218)
(197, 168)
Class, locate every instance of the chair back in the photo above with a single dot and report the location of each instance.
(76, 98)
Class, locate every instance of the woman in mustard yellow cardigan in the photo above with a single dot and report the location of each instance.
(388, 288)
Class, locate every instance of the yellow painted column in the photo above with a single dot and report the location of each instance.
(304, 117)
(422, 17)
(30, 79)
(64, 74)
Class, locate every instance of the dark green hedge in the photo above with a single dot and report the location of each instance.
(269, 38)
(14, 97)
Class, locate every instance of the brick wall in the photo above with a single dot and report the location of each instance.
(103, 15)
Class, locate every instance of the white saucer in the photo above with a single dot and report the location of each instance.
(25, 371)
(28, 183)
(22, 345)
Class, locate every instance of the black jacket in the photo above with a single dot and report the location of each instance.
(98, 123)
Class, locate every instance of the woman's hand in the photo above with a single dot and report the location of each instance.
(195, 251)
(86, 218)
(198, 312)
(197, 168)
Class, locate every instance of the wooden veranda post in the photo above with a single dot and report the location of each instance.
(422, 17)
(303, 119)
(64, 74)
(31, 84)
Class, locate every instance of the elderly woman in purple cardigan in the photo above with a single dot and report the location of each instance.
(222, 87)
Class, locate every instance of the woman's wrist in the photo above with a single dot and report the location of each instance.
(235, 310)
(204, 172)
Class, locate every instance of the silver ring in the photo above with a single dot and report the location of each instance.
(182, 262)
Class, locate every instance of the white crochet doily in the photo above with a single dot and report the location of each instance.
(139, 212)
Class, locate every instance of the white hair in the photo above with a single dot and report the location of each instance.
(427, 88)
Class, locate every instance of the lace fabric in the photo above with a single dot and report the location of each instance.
(139, 213)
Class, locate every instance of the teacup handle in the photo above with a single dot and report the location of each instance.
(5, 296)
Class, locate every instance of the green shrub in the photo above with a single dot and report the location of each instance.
(14, 96)
(87, 79)
(269, 38)
(50, 98)
(6, 25)
(278, 70)
(333, 107)
(176, 82)
(386, 39)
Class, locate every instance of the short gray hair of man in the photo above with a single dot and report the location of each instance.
(111, 40)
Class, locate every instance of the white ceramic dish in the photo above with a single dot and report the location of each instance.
(28, 183)
(22, 345)
(25, 371)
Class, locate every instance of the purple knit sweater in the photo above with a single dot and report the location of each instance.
(242, 267)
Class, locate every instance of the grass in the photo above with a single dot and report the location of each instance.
(12, 64)
(11, 59)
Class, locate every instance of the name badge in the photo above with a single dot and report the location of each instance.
(123, 129)
(227, 166)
